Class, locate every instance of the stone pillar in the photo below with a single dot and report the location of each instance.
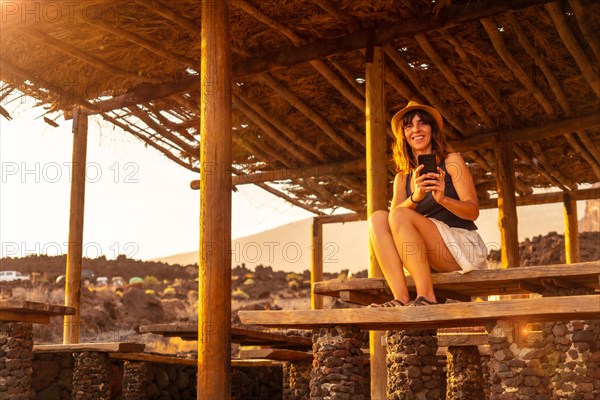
(296, 380)
(340, 368)
(16, 361)
(573, 359)
(135, 380)
(485, 371)
(464, 374)
(413, 371)
(91, 377)
(517, 363)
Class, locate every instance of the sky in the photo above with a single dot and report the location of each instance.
(138, 202)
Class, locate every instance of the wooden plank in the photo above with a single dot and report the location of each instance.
(255, 363)
(544, 309)
(33, 307)
(110, 347)
(244, 337)
(76, 215)
(275, 354)
(154, 358)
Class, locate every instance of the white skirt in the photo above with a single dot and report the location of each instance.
(467, 247)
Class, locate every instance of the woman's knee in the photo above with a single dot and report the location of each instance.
(400, 216)
(378, 221)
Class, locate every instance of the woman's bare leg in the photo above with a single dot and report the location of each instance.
(419, 245)
(387, 255)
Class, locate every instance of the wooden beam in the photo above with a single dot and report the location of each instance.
(377, 195)
(275, 355)
(571, 230)
(544, 309)
(343, 218)
(316, 270)
(507, 206)
(546, 198)
(214, 277)
(76, 213)
(561, 127)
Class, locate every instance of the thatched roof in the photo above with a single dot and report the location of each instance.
(492, 68)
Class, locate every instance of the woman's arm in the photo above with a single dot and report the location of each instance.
(468, 205)
(400, 198)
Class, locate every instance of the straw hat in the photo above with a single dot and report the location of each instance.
(413, 105)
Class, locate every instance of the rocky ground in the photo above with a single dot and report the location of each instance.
(168, 294)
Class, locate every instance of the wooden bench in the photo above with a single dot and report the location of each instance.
(479, 283)
(31, 312)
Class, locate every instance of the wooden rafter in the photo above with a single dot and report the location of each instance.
(149, 142)
(172, 16)
(283, 128)
(86, 57)
(590, 37)
(498, 42)
(571, 43)
(305, 109)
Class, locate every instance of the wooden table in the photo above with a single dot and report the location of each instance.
(243, 336)
(33, 312)
(480, 283)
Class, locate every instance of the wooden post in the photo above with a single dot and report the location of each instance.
(376, 194)
(214, 277)
(507, 204)
(316, 272)
(571, 229)
(75, 245)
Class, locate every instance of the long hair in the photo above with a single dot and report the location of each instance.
(403, 154)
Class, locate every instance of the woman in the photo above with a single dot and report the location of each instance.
(430, 223)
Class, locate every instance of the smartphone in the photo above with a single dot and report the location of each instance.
(428, 160)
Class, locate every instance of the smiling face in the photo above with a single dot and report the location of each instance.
(418, 134)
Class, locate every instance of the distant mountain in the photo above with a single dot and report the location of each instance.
(289, 248)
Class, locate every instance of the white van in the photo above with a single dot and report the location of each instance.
(9, 276)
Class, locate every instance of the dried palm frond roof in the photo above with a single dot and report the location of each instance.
(493, 69)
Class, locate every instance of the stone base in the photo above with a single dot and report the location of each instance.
(296, 380)
(413, 371)
(464, 372)
(16, 343)
(340, 368)
(91, 376)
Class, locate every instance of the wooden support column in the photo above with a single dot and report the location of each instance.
(214, 277)
(75, 245)
(377, 198)
(571, 229)
(507, 204)
(316, 272)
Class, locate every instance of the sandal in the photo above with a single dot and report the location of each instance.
(391, 303)
(420, 301)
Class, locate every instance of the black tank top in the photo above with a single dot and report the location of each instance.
(431, 209)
